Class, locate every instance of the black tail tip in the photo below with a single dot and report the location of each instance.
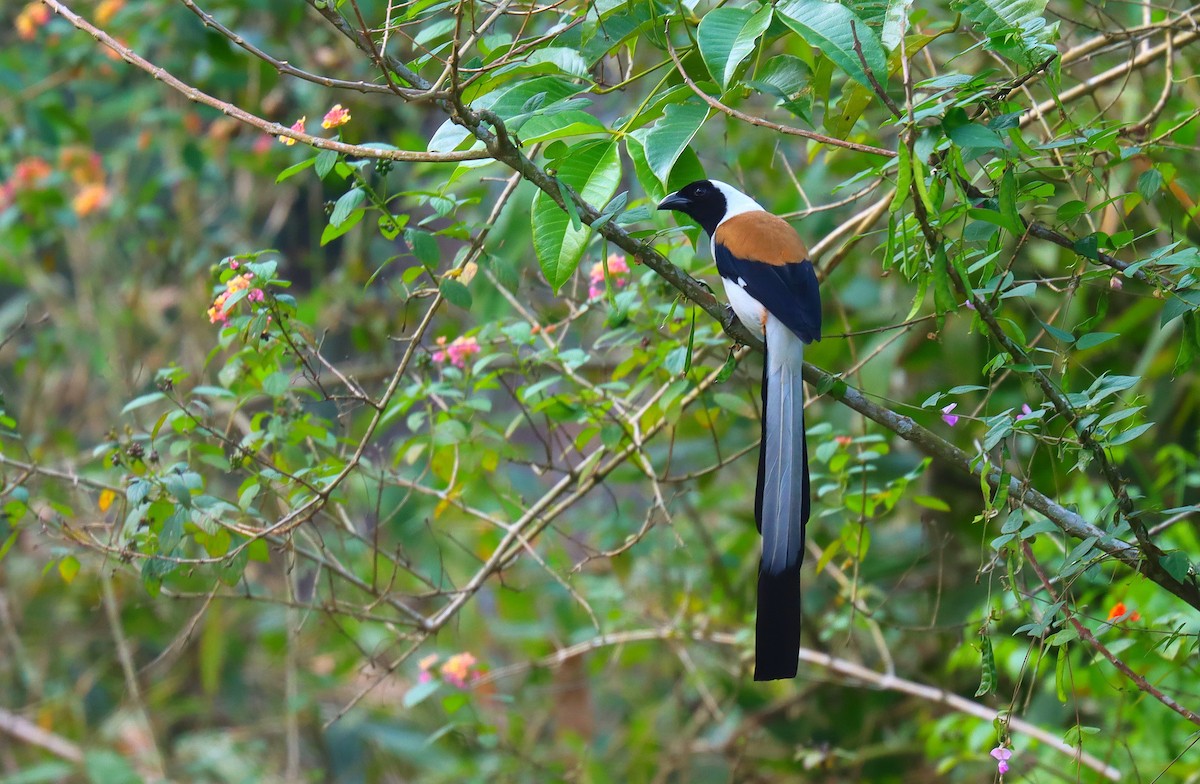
(777, 627)
(775, 669)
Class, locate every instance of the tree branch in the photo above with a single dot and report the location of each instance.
(834, 664)
(273, 128)
(1086, 635)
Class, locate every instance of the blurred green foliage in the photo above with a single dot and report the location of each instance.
(323, 466)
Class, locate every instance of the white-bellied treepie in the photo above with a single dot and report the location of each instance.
(772, 288)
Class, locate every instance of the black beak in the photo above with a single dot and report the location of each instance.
(675, 202)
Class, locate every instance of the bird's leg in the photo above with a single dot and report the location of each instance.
(730, 317)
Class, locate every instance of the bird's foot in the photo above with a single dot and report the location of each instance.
(730, 318)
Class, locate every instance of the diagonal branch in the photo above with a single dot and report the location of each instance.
(503, 149)
(237, 113)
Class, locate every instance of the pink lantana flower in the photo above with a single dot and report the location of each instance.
(298, 127)
(947, 417)
(219, 312)
(458, 669)
(457, 352)
(1002, 756)
(335, 117)
(618, 270)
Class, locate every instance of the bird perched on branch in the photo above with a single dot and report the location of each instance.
(772, 288)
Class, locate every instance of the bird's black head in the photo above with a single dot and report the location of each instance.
(703, 201)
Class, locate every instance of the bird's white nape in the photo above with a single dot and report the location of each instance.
(736, 202)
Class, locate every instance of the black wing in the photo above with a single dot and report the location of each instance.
(789, 292)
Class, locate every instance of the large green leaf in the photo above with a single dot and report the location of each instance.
(1016, 25)
(726, 36)
(827, 26)
(519, 98)
(895, 24)
(686, 169)
(889, 18)
(546, 126)
(670, 136)
(593, 170)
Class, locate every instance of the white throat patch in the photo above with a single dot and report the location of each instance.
(736, 202)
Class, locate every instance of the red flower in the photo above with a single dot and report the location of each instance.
(1119, 613)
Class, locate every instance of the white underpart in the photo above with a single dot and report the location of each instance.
(749, 310)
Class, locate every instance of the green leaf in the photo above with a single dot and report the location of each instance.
(676, 360)
(1189, 345)
(593, 170)
(42, 773)
(332, 232)
(895, 23)
(142, 400)
(209, 391)
(929, 502)
(783, 76)
(1130, 434)
(1061, 335)
(326, 159)
(108, 767)
(1093, 339)
(345, 205)
(1015, 23)
(419, 693)
(546, 126)
(295, 169)
(1027, 289)
(726, 36)
(849, 108)
(827, 27)
(1149, 183)
(424, 246)
(67, 569)
(1177, 565)
(976, 136)
(671, 135)
(727, 368)
(456, 293)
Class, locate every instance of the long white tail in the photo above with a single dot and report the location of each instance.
(781, 505)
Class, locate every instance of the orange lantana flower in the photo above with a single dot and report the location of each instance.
(32, 16)
(1118, 612)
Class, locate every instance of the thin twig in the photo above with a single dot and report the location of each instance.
(1086, 635)
(791, 131)
(852, 670)
(237, 113)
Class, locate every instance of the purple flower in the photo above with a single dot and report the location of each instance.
(1002, 756)
(947, 417)
(1025, 411)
